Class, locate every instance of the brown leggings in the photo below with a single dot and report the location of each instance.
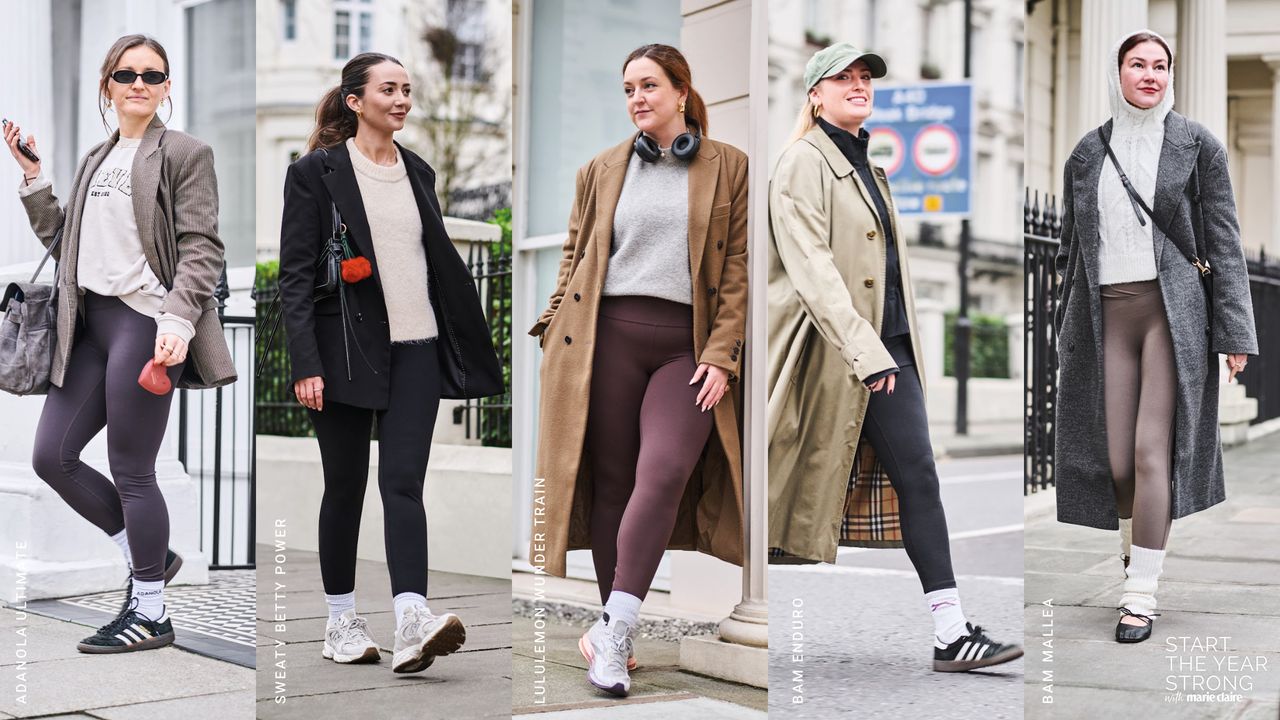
(1141, 386)
(644, 435)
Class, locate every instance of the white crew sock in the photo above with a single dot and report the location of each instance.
(339, 604)
(1126, 536)
(622, 606)
(948, 616)
(1145, 566)
(405, 600)
(121, 539)
(150, 597)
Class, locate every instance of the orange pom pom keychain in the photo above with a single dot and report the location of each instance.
(355, 269)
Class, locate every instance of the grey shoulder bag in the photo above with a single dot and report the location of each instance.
(29, 332)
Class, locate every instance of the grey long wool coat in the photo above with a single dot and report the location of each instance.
(1086, 495)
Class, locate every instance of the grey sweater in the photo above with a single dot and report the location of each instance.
(650, 253)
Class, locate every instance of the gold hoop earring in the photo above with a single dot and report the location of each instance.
(681, 106)
(817, 110)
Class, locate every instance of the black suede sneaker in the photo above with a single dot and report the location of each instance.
(973, 651)
(129, 632)
(172, 564)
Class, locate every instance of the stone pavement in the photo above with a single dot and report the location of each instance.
(472, 683)
(59, 681)
(553, 684)
(1221, 580)
(855, 640)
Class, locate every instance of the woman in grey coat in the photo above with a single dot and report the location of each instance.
(1148, 217)
(139, 257)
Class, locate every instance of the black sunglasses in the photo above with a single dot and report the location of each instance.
(150, 77)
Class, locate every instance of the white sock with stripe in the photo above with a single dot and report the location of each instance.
(948, 616)
(150, 597)
(121, 539)
(339, 604)
(405, 600)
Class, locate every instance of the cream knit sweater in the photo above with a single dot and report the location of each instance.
(396, 228)
(1126, 249)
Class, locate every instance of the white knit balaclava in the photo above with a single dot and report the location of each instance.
(1121, 110)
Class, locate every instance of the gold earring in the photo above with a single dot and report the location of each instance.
(817, 110)
(681, 106)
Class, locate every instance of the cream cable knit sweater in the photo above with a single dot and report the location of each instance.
(1126, 249)
(397, 242)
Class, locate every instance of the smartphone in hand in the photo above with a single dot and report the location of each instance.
(22, 146)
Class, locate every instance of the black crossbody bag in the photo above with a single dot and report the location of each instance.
(1200, 257)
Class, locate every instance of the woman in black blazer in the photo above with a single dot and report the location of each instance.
(403, 330)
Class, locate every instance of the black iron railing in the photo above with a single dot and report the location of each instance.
(1261, 377)
(1041, 227)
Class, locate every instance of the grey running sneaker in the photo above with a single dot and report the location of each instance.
(610, 643)
(346, 640)
(584, 647)
(422, 636)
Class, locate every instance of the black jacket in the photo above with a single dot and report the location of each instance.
(468, 364)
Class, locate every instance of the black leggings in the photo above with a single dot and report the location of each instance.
(898, 429)
(100, 389)
(644, 436)
(404, 444)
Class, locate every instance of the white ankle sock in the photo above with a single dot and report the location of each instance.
(339, 604)
(622, 606)
(1145, 566)
(150, 596)
(1126, 536)
(121, 539)
(405, 600)
(948, 616)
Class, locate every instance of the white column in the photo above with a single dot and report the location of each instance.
(740, 653)
(1102, 23)
(1273, 244)
(1200, 70)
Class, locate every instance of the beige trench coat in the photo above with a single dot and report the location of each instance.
(826, 299)
(710, 515)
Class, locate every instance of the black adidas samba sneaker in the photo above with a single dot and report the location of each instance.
(973, 651)
(129, 632)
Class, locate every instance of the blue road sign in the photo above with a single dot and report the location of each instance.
(922, 135)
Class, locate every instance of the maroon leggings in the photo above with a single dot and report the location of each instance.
(644, 435)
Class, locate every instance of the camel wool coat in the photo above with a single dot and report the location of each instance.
(826, 306)
(1193, 195)
(710, 515)
(175, 201)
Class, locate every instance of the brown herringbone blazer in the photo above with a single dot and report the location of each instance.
(175, 200)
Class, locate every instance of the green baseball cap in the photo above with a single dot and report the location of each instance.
(831, 60)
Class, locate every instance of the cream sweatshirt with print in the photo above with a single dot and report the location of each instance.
(1126, 248)
(111, 260)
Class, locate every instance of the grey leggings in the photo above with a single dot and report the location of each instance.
(1141, 386)
(101, 389)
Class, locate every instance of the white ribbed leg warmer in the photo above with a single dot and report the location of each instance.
(1145, 566)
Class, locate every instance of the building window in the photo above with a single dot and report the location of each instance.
(352, 28)
(465, 20)
(289, 20)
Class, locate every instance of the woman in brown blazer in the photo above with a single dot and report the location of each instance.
(646, 325)
(139, 259)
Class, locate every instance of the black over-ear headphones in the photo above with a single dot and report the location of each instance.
(685, 146)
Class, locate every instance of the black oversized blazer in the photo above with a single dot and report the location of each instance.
(468, 364)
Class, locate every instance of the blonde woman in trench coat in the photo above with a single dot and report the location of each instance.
(844, 379)
(644, 336)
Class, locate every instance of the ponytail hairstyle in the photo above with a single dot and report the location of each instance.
(677, 70)
(113, 58)
(335, 120)
(807, 119)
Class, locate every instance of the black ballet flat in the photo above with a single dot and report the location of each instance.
(1126, 633)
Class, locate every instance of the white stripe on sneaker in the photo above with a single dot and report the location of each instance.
(142, 631)
(964, 650)
(978, 651)
(126, 639)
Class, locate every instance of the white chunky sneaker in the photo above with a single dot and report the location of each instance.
(422, 636)
(584, 647)
(610, 646)
(346, 640)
